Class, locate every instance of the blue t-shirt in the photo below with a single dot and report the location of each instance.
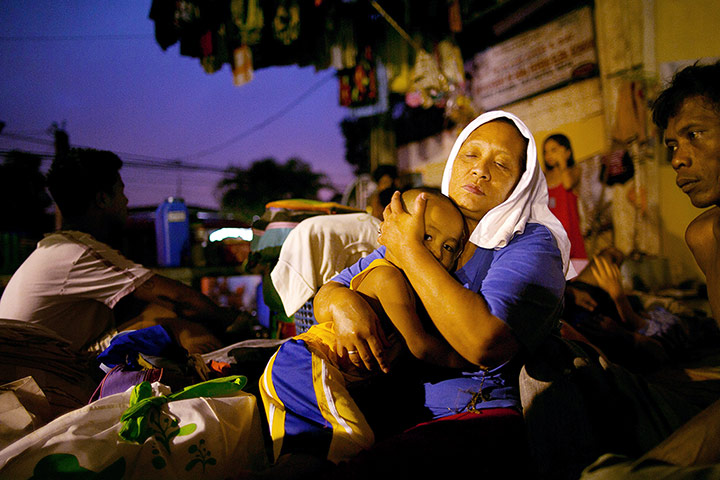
(523, 285)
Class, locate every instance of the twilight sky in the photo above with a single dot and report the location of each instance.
(95, 65)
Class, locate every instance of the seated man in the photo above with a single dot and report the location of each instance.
(688, 113)
(73, 281)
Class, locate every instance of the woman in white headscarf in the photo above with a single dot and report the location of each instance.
(501, 302)
(518, 252)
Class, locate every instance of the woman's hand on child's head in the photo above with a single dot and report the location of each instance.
(400, 228)
(608, 277)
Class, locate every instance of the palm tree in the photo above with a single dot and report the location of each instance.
(246, 191)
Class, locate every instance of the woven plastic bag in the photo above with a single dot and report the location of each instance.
(210, 430)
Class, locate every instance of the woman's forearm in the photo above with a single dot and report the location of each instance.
(461, 315)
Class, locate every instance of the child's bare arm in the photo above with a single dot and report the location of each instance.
(607, 275)
(390, 287)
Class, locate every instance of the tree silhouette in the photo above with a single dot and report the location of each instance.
(22, 192)
(246, 191)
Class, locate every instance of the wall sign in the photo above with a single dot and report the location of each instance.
(535, 61)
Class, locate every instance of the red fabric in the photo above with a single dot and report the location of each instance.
(478, 415)
(563, 204)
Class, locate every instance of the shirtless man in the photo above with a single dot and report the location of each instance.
(688, 112)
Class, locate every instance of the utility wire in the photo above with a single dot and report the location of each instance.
(165, 164)
(28, 138)
(178, 163)
(130, 159)
(264, 123)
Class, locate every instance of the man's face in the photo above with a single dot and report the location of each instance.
(115, 204)
(693, 139)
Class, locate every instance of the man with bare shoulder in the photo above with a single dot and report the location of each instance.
(688, 112)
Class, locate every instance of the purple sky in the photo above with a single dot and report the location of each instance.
(96, 66)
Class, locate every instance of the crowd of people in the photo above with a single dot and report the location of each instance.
(423, 340)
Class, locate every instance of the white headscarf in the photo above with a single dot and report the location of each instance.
(528, 202)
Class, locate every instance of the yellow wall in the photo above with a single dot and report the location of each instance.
(683, 31)
(686, 29)
(587, 136)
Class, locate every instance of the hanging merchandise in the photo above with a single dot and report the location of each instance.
(454, 18)
(286, 24)
(208, 59)
(636, 218)
(189, 25)
(458, 105)
(428, 84)
(242, 66)
(617, 168)
(162, 12)
(382, 103)
(247, 15)
(343, 52)
(358, 85)
(426, 80)
(397, 56)
(630, 117)
(451, 62)
(206, 44)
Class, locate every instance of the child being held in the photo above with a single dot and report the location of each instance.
(387, 291)
(309, 365)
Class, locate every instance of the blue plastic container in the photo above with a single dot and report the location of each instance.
(172, 231)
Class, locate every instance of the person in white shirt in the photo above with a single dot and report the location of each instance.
(74, 280)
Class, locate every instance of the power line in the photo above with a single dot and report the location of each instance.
(263, 123)
(28, 138)
(180, 163)
(130, 159)
(173, 165)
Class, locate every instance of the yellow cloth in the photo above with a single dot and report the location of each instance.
(311, 205)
